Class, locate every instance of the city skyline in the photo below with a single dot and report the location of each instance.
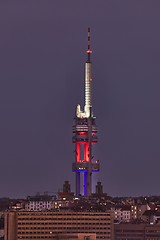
(42, 55)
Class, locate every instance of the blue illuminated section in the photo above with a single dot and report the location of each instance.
(81, 170)
(85, 170)
(85, 184)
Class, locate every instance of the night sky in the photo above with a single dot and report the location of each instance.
(42, 56)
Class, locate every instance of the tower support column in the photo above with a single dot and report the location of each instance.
(78, 184)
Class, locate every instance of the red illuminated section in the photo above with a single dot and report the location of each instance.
(82, 149)
(78, 152)
(82, 141)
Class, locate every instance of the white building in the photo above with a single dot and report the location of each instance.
(39, 203)
(122, 214)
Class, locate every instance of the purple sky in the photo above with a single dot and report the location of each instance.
(42, 55)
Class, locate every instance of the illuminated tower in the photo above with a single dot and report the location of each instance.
(85, 135)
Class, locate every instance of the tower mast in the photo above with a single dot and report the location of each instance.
(85, 135)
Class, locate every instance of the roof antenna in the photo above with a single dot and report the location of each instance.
(89, 49)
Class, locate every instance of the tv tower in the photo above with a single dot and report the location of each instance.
(85, 135)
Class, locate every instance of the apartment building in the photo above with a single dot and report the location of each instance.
(28, 225)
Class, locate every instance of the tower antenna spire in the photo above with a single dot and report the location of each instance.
(85, 135)
(89, 46)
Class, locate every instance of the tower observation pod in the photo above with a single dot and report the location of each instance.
(85, 135)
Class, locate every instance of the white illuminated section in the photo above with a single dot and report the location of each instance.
(88, 94)
(88, 81)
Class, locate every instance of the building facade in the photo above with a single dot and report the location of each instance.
(136, 231)
(29, 225)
